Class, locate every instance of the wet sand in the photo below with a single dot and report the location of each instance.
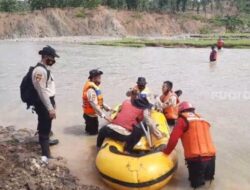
(219, 91)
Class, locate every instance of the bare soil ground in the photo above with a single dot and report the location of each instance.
(98, 22)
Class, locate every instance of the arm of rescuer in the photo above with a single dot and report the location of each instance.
(158, 104)
(39, 80)
(147, 95)
(92, 97)
(128, 93)
(151, 124)
(177, 132)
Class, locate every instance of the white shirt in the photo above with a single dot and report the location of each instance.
(45, 88)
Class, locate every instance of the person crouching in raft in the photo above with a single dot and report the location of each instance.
(198, 147)
(125, 126)
(93, 102)
(213, 55)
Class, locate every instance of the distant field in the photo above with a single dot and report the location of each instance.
(199, 41)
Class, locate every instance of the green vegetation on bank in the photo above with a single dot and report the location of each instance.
(139, 5)
(13, 6)
(230, 36)
(191, 42)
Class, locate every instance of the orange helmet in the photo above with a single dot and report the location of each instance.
(185, 106)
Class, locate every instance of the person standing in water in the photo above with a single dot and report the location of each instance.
(220, 43)
(93, 102)
(213, 54)
(199, 150)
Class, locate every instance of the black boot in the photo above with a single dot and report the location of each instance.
(53, 142)
(51, 134)
(44, 142)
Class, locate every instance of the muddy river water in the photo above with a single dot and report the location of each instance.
(220, 92)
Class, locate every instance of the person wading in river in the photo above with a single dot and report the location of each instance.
(198, 147)
(213, 55)
(220, 43)
(93, 102)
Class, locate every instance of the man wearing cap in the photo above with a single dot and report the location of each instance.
(199, 150)
(45, 108)
(144, 91)
(93, 102)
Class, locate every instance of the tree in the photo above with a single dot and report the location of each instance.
(132, 4)
(243, 5)
(8, 5)
(232, 23)
(183, 2)
(22, 6)
(76, 3)
(163, 4)
(112, 3)
(143, 5)
(173, 5)
(38, 4)
(92, 3)
(247, 7)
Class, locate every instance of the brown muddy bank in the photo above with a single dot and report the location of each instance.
(98, 22)
(21, 166)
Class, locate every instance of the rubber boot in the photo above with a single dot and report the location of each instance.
(51, 140)
(51, 134)
(44, 143)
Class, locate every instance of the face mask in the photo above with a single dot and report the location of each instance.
(97, 83)
(50, 61)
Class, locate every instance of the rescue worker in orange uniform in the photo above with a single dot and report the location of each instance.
(93, 104)
(199, 149)
(220, 43)
(168, 102)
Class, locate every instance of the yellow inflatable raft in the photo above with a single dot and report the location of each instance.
(149, 170)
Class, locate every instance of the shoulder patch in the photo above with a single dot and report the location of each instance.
(38, 77)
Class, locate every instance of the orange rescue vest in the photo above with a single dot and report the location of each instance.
(87, 108)
(170, 112)
(220, 43)
(196, 140)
